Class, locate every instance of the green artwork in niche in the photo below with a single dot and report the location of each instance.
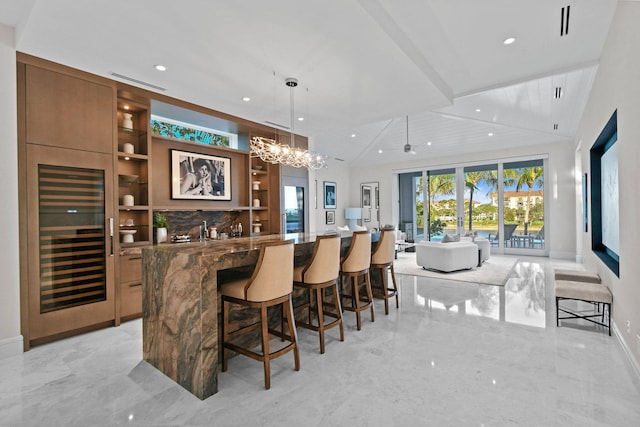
(172, 130)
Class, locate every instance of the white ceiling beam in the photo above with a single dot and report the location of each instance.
(406, 45)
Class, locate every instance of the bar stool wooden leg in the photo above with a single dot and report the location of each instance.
(265, 346)
(383, 273)
(292, 332)
(320, 315)
(336, 300)
(355, 293)
(395, 287)
(369, 294)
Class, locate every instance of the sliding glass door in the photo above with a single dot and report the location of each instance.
(523, 199)
(502, 202)
(441, 203)
(480, 199)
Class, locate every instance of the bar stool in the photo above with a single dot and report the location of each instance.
(382, 258)
(320, 273)
(270, 284)
(354, 265)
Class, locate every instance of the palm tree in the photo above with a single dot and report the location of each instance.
(472, 179)
(443, 185)
(530, 177)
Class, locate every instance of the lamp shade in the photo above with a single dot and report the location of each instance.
(352, 213)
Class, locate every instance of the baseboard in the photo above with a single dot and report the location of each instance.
(627, 351)
(11, 346)
(562, 255)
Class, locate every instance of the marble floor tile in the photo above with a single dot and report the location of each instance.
(453, 354)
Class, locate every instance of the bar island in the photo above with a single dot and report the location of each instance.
(180, 302)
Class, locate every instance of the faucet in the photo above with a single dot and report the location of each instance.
(204, 231)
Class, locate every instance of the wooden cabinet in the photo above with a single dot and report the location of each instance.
(130, 286)
(68, 111)
(134, 222)
(265, 198)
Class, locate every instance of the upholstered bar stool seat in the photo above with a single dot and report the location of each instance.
(270, 284)
(382, 259)
(320, 273)
(354, 266)
(588, 292)
(577, 276)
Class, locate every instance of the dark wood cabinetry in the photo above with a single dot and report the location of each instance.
(265, 198)
(75, 126)
(68, 111)
(134, 222)
(130, 286)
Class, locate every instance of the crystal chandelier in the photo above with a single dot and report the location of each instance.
(269, 150)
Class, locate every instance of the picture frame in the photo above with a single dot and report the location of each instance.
(330, 195)
(196, 176)
(585, 203)
(366, 197)
(331, 217)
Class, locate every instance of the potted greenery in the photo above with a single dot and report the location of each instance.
(161, 226)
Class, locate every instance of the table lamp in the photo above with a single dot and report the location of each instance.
(352, 215)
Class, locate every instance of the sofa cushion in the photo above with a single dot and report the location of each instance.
(448, 238)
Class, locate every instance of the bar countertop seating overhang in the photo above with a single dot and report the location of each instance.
(180, 307)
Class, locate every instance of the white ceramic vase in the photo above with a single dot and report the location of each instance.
(161, 235)
(127, 122)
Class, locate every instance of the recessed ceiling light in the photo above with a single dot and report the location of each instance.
(160, 67)
(379, 151)
(300, 119)
(429, 143)
(490, 134)
(126, 107)
(246, 99)
(509, 40)
(353, 135)
(477, 110)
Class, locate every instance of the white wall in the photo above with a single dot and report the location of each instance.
(10, 338)
(337, 172)
(559, 179)
(617, 86)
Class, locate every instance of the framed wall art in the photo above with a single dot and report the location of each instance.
(330, 198)
(366, 196)
(331, 217)
(200, 176)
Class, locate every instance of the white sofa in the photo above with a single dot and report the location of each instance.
(447, 257)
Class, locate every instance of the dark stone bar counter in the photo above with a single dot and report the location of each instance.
(180, 306)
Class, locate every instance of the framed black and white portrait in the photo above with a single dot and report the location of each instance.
(199, 176)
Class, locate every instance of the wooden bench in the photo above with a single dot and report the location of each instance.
(588, 292)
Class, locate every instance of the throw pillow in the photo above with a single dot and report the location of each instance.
(448, 238)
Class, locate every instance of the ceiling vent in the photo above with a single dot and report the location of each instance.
(276, 124)
(564, 21)
(139, 82)
(558, 92)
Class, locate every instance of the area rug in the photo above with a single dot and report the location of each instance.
(494, 271)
